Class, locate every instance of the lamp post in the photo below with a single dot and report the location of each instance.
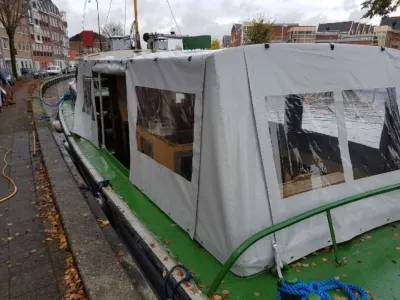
(98, 24)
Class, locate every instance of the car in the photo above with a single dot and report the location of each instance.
(53, 70)
(36, 74)
(43, 73)
(10, 77)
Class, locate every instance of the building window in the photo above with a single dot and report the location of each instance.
(5, 43)
(34, 4)
(36, 21)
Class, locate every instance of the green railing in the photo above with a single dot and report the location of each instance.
(325, 208)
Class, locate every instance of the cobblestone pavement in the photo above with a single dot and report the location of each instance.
(31, 267)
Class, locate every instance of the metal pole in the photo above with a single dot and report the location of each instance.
(137, 35)
(98, 23)
(101, 111)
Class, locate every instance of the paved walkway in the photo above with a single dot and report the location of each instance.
(32, 265)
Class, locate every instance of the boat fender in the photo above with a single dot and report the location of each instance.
(317, 290)
(57, 126)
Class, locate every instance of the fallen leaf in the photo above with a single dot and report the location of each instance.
(369, 252)
(164, 273)
(305, 265)
(398, 248)
(345, 276)
(203, 285)
(9, 266)
(226, 292)
(166, 242)
(344, 262)
(395, 235)
(193, 290)
(103, 223)
(152, 245)
(180, 273)
(257, 294)
(134, 281)
(324, 259)
(17, 234)
(298, 271)
(49, 239)
(10, 238)
(217, 297)
(121, 252)
(9, 224)
(314, 264)
(165, 258)
(13, 278)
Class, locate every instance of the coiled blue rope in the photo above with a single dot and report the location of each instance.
(67, 96)
(302, 289)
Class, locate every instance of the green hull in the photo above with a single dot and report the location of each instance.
(372, 260)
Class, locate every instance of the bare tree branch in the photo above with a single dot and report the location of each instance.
(113, 28)
(12, 12)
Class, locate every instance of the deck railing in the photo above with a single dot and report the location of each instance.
(280, 226)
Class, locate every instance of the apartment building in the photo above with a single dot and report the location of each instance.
(302, 34)
(40, 40)
(22, 45)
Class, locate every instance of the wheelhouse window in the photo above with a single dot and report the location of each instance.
(164, 129)
(373, 130)
(305, 144)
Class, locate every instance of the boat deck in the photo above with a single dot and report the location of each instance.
(372, 260)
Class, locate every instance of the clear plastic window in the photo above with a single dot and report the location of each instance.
(373, 130)
(87, 97)
(305, 144)
(164, 128)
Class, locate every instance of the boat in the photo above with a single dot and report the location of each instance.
(246, 167)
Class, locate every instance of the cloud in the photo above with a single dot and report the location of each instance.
(214, 17)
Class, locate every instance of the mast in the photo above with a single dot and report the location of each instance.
(137, 35)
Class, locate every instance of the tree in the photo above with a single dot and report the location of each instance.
(113, 28)
(215, 44)
(12, 12)
(260, 32)
(379, 7)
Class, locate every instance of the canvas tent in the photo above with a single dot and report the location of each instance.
(230, 142)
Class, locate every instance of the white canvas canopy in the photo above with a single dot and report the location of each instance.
(258, 135)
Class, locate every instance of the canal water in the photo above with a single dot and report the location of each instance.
(54, 93)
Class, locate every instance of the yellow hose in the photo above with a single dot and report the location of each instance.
(8, 178)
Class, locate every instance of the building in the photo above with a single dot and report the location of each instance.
(40, 40)
(302, 34)
(77, 47)
(226, 41)
(345, 32)
(280, 32)
(22, 45)
(49, 32)
(239, 33)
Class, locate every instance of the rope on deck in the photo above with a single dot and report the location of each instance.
(319, 289)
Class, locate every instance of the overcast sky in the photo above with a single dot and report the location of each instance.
(214, 17)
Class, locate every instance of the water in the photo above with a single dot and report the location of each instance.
(54, 93)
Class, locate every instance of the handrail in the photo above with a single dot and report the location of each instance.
(277, 227)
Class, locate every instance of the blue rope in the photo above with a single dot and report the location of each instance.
(67, 96)
(302, 289)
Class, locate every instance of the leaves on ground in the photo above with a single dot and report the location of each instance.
(226, 292)
(216, 297)
(103, 223)
(121, 252)
(49, 216)
(257, 294)
(398, 248)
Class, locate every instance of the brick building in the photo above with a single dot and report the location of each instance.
(40, 40)
(22, 45)
(77, 47)
(226, 41)
(302, 34)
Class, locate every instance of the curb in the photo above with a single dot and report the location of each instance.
(102, 275)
